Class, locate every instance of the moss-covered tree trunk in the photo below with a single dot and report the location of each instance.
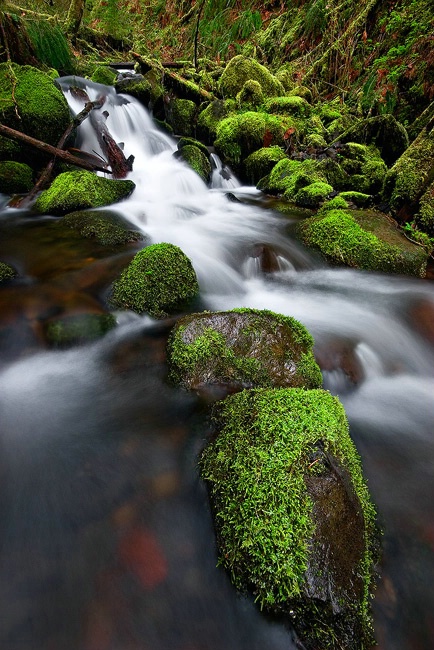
(75, 15)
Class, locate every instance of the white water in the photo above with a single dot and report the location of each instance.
(391, 409)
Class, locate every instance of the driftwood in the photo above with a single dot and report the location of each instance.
(52, 151)
(120, 165)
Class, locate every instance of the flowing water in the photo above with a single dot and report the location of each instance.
(106, 537)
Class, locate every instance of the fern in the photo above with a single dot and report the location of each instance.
(50, 45)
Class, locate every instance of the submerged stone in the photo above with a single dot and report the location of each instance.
(7, 272)
(160, 280)
(105, 227)
(241, 348)
(77, 329)
(364, 239)
(79, 190)
(294, 520)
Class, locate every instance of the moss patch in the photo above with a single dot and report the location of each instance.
(15, 178)
(78, 329)
(270, 445)
(240, 69)
(293, 105)
(313, 195)
(362, 239)
(7, 272)
(197, 160)
(160, 280)
(105, 227)
(261, 162)
(80, 190)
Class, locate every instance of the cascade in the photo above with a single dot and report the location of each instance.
(106, 539)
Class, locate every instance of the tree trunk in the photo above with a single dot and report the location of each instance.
(75, 15)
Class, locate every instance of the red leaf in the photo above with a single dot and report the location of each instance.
(268, 136)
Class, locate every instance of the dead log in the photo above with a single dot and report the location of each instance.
(52, 151)
(120, 165)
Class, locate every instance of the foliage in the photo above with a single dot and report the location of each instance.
(50, 45)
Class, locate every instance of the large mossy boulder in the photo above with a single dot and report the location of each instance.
(211, 115)
(384, 132)
(196, 156)
(160, 281)
(294, 521)
(80, 190)
(364, 166)
(15, 177)
(240, 135)
(294, 105)
(241, 69)
(261, 162)
(362, 239)
(181, 115)
(30, 102)
(239, 349)
(105, 227)
(411, 175)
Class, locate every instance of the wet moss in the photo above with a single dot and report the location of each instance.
(7, 272)
(364, 240)
(15, 178)
(336, 203)
(181, 115)
(105, 227)
(261, 162)
(425, 217)
(210, 117)
(250, 95)
(293, 105)
(240, 348)
(240, 69)
(358, 198)
(79, 190)
(160, 280)
(197, 160)
(365, 166)
(313, 195)
(270, 445)
(103, 74)
(382, 131)
(137, 87)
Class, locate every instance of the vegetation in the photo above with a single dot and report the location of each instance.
(159, 281)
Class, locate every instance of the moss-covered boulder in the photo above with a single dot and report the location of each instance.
(362, 239)
(80, 190)
(359, 199)
(196, 159)
(250, 95)
(30, 102)
(181, 115)
(293, 105)
(76, 329)
(365, 167)
(384, 132)
(240, 135)
(107, 228)
(425, 217)
(210, 117)
(160, 280)
(7, 272)
(289, 176)
(294, 520)
(313, 195)
(15, 178)
(411, 175)
(136, 86)
(103, 74)
(239, 349)
(261, 162)
(240, 69)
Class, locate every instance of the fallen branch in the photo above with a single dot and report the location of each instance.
(49, 149)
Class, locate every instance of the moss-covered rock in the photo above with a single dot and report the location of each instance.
(197, 160)
(425, 217)
(240, 135)
(30, 102)
(411, 175)
(359, 199)
(362, 239)
(382, 131)
(15, 178)
(79, 190)
(241, 348)
(185, 141)
(181, 115)
(7, 272)
(210, 117)
(103, 74)
(294, 520)
(364, 165)
(136, 86)
(261, 162)
(78, 329)
(313, 195)
(293, 105)
(160, 280)
(336, 203)
(240, 69)
(250, 95)
(106, 228)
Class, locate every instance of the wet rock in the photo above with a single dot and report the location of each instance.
(196, 159)
(239, 349)
(105, 227)
(294, 521)
(422, 319)
(76, 329)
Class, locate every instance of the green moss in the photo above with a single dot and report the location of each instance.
(79, 190)
(160, 280)
(240, 135)
(103, 74)
(242, 347)
(182, 142)
(337, 203)
(293, 105)
(51, 45)
(139, 88)
(105, 227)
(15, 178)
(364, 240)
(181, 115)
(313, 195)
(197, 160)
(425, 218)
(250, 95)
(257, 468)
(240, 69)
(261, 162)
(31, 102)
(7, 272)
(382, 131)
(211, 116)
(78, 329)
(365, 166)
(358, 198)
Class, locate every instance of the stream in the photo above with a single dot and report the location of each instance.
(106, 538)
